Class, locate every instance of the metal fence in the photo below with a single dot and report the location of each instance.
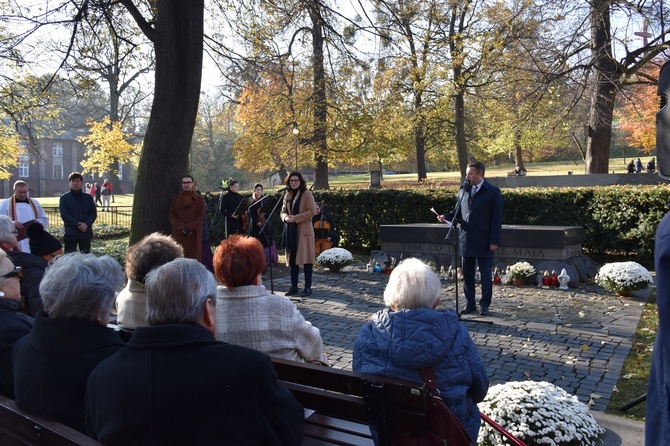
(115, 216)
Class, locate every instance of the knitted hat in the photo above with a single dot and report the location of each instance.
(41, 242)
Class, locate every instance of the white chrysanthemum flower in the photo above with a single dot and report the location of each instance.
(521, 270)
(538, 413)
(334, 258)
(623, 277)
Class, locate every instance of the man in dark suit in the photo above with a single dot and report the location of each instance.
(175, 384)
(480, 215)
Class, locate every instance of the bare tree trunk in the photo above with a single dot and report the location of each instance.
(604, 89)
(420, 143)
(178, 44)
(320, 105)
(459, 130)
(517, 150)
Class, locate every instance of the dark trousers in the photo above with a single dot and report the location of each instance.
(485, 265)
(84, 245)
(295, 272)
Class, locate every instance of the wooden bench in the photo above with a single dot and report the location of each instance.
(19, 428)
(344, 402)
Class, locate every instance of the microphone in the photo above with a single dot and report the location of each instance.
(465, 184)
(283, 189)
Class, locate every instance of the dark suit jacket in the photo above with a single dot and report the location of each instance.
(75, 207)
(176, 385)
(657, 424)
(51, 366)
(33, 271)
(481, 220)
(13, 326)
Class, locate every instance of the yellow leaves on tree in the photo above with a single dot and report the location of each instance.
(9, 152)
(637, 117)
(106, 146)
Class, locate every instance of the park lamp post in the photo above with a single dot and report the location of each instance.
(296, 132)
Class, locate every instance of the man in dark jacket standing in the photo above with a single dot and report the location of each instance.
(480, 214)
(175, 384)
(78, 212)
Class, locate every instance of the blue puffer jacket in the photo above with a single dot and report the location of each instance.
(398, 343)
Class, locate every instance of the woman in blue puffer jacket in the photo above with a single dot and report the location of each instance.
(412, 335)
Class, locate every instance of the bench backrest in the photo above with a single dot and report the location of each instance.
(19, 428)
(357, 397)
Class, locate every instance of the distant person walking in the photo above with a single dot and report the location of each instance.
(638, 166)
(106, 193)
(78, 212)
(631, 167)
(651, 165)
(23, 210)
(97, 192)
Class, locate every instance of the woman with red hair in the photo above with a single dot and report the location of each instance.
(248, 315)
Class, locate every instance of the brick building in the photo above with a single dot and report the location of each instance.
(47, 177)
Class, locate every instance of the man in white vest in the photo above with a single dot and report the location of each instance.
(22, 210)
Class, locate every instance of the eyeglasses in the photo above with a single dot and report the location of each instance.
(15, 231)
(17, 272)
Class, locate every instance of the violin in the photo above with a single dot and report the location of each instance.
(244, 222)
(322, 229)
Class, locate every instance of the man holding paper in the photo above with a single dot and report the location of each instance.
(480, 215)
(22, 210)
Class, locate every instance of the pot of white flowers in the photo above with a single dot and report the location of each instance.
(334, 259)
(623, 278)
(538, 413)
(520, 272)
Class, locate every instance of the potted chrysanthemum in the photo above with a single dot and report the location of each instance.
(623, 278)
(334, 259)
(520, 272)
(537, 413)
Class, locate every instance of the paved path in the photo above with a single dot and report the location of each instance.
(576, 339)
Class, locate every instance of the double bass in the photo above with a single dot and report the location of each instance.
(321, 230)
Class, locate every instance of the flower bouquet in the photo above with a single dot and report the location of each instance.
(334, 259)
(521, 271)
(537, 413)
(623, 277)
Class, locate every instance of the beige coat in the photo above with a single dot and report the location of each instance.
(305, 252)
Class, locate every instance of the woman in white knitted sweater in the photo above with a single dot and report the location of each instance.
(248, 315)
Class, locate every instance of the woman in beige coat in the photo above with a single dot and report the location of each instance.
(296, 213)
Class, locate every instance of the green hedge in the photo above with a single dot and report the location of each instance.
(617, 219)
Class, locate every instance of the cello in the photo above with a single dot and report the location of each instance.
(321, 230)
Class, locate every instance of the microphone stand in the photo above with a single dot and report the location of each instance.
(267, 220)
(457, 208)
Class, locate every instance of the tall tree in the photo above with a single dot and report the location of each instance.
(610, 75)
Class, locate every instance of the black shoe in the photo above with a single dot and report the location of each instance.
(291, 291)
(307, 292)
(484, 312)
(469, 310)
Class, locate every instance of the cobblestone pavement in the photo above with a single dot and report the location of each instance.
(576, 339)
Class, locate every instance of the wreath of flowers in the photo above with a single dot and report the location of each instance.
(334, 259)
(538, 413)
(522, 270)
(623, 277)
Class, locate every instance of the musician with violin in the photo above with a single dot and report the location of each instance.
(257, 218)
(229, 203)
(325, 235)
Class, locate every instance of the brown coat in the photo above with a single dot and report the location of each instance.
(188, 209)
(305, 251)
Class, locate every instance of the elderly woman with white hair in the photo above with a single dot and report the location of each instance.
(411, 335)
(69, 338)
(13, 325)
